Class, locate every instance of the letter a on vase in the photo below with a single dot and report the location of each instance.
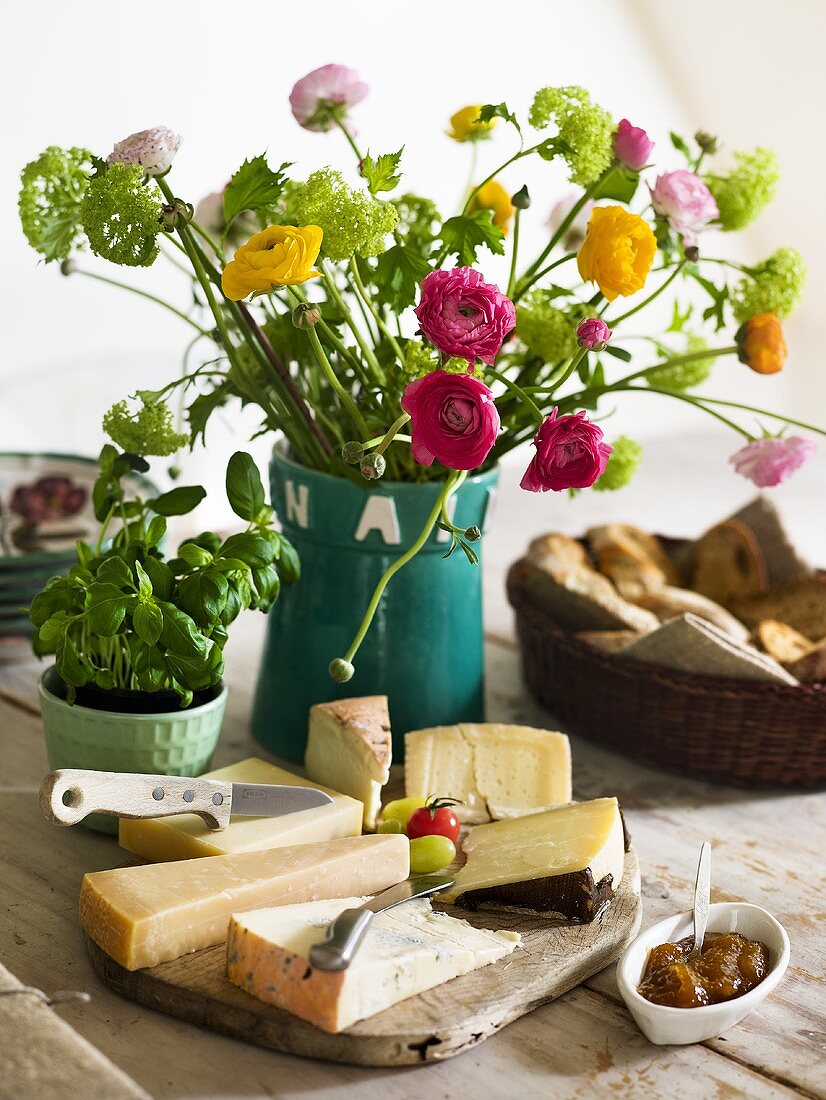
(379, 515)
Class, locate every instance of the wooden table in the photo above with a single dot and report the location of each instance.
(768, 848)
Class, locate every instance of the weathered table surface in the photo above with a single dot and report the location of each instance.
(768, 848)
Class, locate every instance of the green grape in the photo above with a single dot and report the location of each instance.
(392, 825)
(431, 853)
(401, 809)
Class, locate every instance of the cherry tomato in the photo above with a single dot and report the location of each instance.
(430, 853)
(401, 809)
(436, 818)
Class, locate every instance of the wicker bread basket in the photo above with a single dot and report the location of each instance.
(745, 733)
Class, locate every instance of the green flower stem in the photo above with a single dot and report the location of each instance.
(328, 372)
(569, 370)
(366, 350)
(689, 357)
(377, 439)
(505, 164)
(350, 140)
(452, 483)
(391, 434)
(335, 340)
(613, 322)
(220, 255)
(365, 297)
(514, 253)
(565, 225)
(765, 412)
(518, 392)
(524, 287)
(142, 294)
(687, 399)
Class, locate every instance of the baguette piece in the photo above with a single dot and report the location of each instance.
(811, 667)
(728, 564)
(581, 599)
(800, 604)
(668, 602)
(609, 641)
(557, 551)
(634, 559)
(781, 641)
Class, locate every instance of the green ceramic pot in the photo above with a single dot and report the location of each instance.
(174, 743)
(424, 649)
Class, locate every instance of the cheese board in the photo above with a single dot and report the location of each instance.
(553, 957)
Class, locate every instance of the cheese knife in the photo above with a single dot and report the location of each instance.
(69, 795)
(346, 933)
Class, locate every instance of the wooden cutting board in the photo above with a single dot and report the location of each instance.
(433, 1026)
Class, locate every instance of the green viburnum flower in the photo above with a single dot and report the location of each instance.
(421, 358)
(52, 188)
(775, 286)
(149, 431)
(622, 465)
(685, 376)
(750, 186)
(419, 220)
(585, 127)
(353, 221)
(121, 213)
(546, 330)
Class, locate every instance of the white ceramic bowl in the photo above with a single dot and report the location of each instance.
(663, 1025)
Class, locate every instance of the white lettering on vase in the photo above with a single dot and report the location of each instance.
(379, 515)
(298, 504)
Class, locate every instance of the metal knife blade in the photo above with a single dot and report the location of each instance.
(346, 933)
(274, 800)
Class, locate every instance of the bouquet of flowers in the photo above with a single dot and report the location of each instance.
(359, 320)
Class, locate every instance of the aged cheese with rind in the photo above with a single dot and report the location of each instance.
(349, 747)
(494, 770)
(566, 862)
(406, 950)
(148, 914)
(187, 836)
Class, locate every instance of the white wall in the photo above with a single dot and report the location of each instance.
(93, 71)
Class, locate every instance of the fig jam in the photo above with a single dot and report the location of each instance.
(728, 966)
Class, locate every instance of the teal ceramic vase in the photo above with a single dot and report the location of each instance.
(424, 649)
(173, 743)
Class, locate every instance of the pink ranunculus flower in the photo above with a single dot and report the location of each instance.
(154, 150)
(570, 454)
(575, 233)
(315, 95)
(453, 419)
(463, 316)
(769, 461)
(632, 145)
(593, 334)
(684, 200)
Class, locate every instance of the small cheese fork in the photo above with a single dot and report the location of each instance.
(702, 897)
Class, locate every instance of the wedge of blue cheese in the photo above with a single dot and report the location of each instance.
(406, 950)
(566, 862)
(495, 770)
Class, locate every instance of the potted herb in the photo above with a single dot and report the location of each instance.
(138, 637)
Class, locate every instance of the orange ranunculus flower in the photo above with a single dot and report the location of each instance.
(617, 252)
(493, 196)
(761, 343)
(280, 255)
(465, 125)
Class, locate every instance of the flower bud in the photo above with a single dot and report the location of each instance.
(341, 670)
(473, 534)
(522, 199)
(352, 452)
(373, 466)
(709, 143)
(306, 315)
(176, 214)
(593, 334)
(692, 252)
(68, 267)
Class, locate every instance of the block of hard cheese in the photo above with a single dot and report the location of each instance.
(186, 836)
(154, 912)
(494, 770)
(406, 950)
(565, 862)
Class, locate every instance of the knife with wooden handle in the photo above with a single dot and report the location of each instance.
(69, 795)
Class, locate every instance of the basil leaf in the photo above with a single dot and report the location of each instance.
(148, 622)
(203, 596)
(114, 570)
(194, 555)
(163, 582)
(252, 549)
(155, 531)
(289, 563)
(105, 608)
(268, 586)
(68, 663)
(244, 489)
(178, 501)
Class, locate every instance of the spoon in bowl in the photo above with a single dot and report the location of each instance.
(702, 896)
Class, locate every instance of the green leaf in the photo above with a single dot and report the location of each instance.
(679, 319)
(68, 663)
(584, 369)
(289, 563)
(52, 599)
(163, 582)
(148, 665)
(618, 183)
(268, 586)
(490, 111)
(465, 234)
(203, 596)
(102, 497)
(155, 531)
(382, 174)
(619, 353)
(53, 629)
(194, 555)
(253, 550)
(197, 674)
(204, 405)
(254, 186)
(145, 589)
(244, 489)
(399, 271)
(114, 570)
(553, 147)
(178, 501)
(680, 144)
(148, 622)
(105, 607)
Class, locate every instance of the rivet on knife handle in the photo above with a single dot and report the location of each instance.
(69, 795)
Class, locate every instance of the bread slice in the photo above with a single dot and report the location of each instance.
(349, 748)
(811, 667)
(783, 563)
(629, 554)
(781, 641)
(668, 602)
(800, 604)
(581, 599)
(609, 641)
(728, 564)
(557, 551)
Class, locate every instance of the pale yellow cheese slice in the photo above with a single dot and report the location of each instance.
(494, 770)
(186, 836)
(154, 912)
(406, 950)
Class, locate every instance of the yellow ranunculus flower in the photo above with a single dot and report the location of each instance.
(617, 252)
(280, 255)
(493, 196)
(466, 127)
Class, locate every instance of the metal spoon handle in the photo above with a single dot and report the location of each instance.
(702, 894)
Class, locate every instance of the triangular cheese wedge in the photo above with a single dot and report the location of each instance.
(350, 747)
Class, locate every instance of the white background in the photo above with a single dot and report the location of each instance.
(91, 72)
